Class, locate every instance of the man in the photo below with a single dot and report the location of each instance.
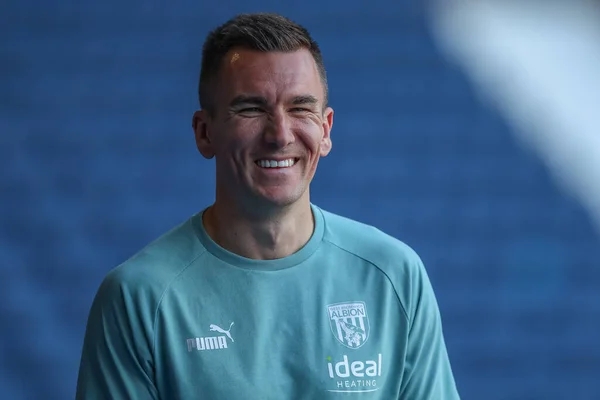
(264, 295)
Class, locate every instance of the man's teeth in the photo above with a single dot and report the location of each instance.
(276, 164)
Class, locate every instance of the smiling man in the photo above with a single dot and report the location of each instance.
(264, 295)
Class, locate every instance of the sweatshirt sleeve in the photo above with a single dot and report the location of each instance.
(428, 374)
(117, 359)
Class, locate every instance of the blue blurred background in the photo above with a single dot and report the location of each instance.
(97, 158)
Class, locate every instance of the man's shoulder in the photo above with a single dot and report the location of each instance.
(367, 241)
(154, 267)
(395, 259)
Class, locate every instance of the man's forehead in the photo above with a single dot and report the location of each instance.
(275, 73)
(241, 56)
(260, 65)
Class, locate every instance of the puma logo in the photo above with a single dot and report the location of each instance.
(216, 328)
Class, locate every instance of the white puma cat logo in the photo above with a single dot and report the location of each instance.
(216, 328)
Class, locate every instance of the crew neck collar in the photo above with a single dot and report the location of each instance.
(268, 265)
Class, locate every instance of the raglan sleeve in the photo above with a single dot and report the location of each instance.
(116, 360)
(428, 373)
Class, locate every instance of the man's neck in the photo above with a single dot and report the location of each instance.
(265, 237)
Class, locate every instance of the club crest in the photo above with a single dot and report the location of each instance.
(349, 323)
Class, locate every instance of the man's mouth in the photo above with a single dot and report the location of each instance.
(266, 163)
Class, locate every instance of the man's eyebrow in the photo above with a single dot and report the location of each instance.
(248, 99)
(244, 99)
(305, 99)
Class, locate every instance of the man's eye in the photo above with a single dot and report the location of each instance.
(300, 109)
(251, 110)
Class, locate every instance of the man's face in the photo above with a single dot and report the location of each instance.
(268, 128)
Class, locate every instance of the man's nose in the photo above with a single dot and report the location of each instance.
(278, 132)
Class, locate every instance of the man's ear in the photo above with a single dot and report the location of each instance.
(200, 123)
(327, 125)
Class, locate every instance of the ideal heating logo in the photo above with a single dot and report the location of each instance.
(211, 342)
(354, 376)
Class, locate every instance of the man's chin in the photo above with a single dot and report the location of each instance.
(279, 198)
